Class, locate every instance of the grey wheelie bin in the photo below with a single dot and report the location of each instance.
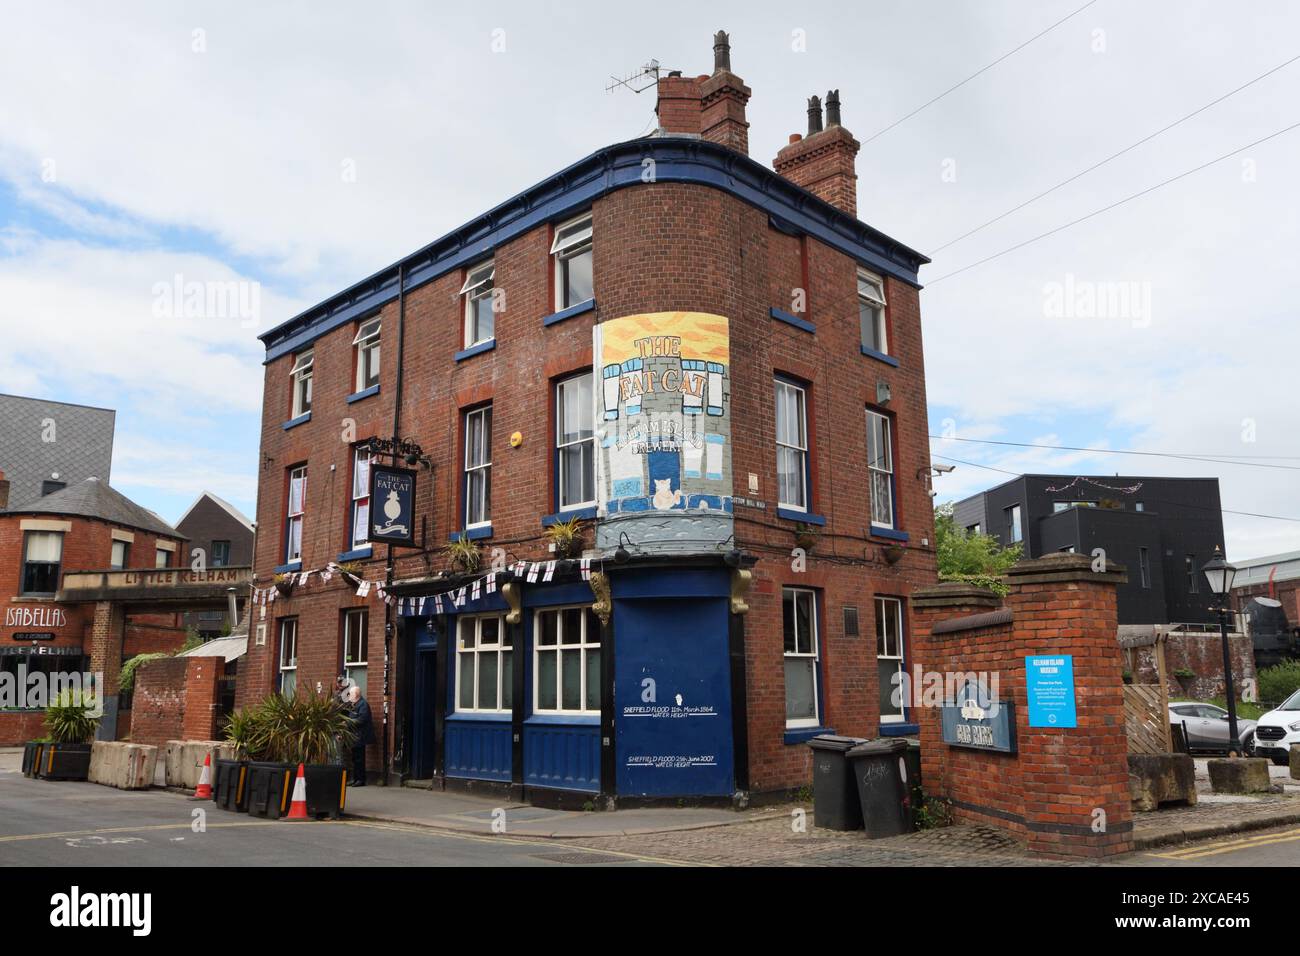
(879, 770)
(835, 797)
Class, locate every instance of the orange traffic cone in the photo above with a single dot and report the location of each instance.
(204, 791)
(298, 806)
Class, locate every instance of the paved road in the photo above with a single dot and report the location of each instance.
(46, 823)
(1277, 847)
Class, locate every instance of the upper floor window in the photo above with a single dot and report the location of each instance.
(301, 374)
(49, 487)
(478, 467)
(484, 665)
(880, 469)
(121, 553)
(359, 520)
(871, 313)
(1193, 585)
(1144, 567)
(355, 645)
(367, 346)
(791, 446)
(295, 508)
(162, 558)
(220, 554)
(1014, 531)
(1139, 506)
(799, 631)
(572, 252)
(288, 669)
(42, 556)
(575, 442)
(479, 318)
(566, 661)
(889, 658)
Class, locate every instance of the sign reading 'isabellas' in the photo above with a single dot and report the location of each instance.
(35, 617)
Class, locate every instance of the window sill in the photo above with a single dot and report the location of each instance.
(295, 422)
(570, 312)
(801, 735)
(287, 568)
(473, 350)
(806, 517)
(789, 319)
(356, 554)
(899, 730)
(364, 393)
(472, 534)
(889, 533)
(471, 717)
(879, 356)
(582, 514)
(584, 720)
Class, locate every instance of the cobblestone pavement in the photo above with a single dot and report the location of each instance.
(775, 842)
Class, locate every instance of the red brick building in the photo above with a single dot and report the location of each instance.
(717, 369)
(86, 526)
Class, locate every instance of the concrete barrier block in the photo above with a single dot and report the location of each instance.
(1239, 775)
(123, 765)
(1155, 779)
(183, 760)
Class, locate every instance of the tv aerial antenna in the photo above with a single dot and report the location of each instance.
(637, 81)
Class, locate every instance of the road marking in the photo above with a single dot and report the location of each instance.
(518, 841)
(1229, 846)
(138, 829)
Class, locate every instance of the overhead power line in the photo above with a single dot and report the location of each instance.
(1208, 459)
(1115, 205)
(1126, 149)
(1226, 511)
(981, 70)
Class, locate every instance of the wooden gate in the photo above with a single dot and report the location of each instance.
(1146, 706)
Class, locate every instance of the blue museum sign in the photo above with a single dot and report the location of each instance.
(1049, 689)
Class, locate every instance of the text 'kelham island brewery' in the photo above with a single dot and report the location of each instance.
(619, 490)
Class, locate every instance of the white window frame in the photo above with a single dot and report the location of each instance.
(294, 519)
(301, 376)
(884, 469)
(367, 345)
(360, 633)
(114, 562)
(1015, 525)
(813, 654)
(561, 444)
(162, 558)
(571, 240)
(360, 529)
(288, 626)
(479, 283)
(586, 643)
(800, 450)
(873, 297)
(883, 607)
(467, 662)
(28, 538)
(485, 467)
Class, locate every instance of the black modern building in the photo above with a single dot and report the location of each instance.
(1162, 530)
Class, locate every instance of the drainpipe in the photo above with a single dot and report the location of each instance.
(388, 571)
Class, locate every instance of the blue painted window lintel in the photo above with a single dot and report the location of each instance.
(473, 534)
(879, 356)
(364, 393)
(582, 514)
(356, 554)
(473, 350)
(790, 319)
(877, 532)
(584, 306)
(899, 730)
(295, 422)
(286, 568)
(807, 517)
(802, 735)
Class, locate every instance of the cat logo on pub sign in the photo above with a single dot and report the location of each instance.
(392, 505)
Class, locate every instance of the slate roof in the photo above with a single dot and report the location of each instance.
(223, 505)
(39, 439)
(93, 498)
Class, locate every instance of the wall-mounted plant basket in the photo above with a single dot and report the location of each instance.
(894, 553)
(805, 536)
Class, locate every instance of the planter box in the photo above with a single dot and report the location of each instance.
(326, 789)
(269, 788)
(230, 785)
(32, 757)
(64, 762)
(123, 765)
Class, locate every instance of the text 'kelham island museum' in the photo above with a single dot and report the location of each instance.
(716, 369)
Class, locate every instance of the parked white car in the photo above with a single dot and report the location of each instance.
(1278, 731)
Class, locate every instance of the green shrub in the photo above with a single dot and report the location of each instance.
(69, 718)
(126, 677)
(1279, 682)
(305, 728)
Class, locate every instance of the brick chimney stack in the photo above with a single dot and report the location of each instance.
(823, 162)
(711, 107)
(4, 491)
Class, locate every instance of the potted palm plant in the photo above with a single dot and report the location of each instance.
(71, 721)
(308, 729)
(566, 537)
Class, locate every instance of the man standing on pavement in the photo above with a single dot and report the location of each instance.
(364, 727)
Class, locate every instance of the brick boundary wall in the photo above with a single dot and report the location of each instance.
(176, 698)
(1050, 791)
(1202, 653)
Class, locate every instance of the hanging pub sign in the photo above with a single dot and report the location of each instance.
(392, 505)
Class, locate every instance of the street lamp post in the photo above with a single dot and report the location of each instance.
(1220, 574)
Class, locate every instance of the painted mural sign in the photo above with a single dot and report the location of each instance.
(663, 426)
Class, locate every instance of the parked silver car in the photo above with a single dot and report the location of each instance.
(1206, 727)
